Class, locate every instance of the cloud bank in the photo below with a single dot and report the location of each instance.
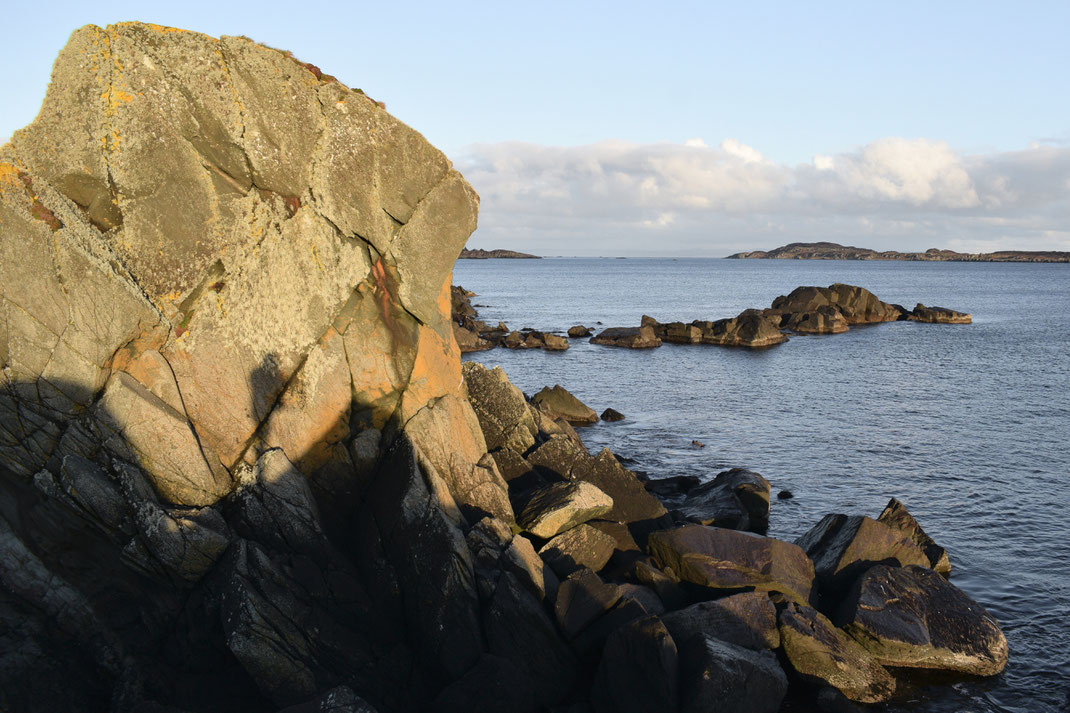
(621, 198)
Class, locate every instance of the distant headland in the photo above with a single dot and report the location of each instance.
(834, 251)
(478, 254)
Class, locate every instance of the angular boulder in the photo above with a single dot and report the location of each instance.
(857, 305)
(729, 560)
(825, 656)
(558, 507)
(748, 619)
(719, 676)
(639, 670)
(631, 502)
(557, 402)
(501, 408)
(842, 547)
(579, 331)
(913, 617)
(582, 598)
(611, 415)
(737, 499)
(581, 546)
(896, 516)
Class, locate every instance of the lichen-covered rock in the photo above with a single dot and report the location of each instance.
(843, 547)
(501, 408)
(561, 506)
(557, 402)
(823, 655)
(913, 617)
(224, 293)
(729, 560)
(581, 546)
(896, 516)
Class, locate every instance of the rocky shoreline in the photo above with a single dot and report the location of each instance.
(243, 468)
(835, 251)
(480, 254)
(806, 310)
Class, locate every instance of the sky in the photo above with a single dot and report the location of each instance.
(598, 128)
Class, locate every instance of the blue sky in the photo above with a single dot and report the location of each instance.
(535, 103)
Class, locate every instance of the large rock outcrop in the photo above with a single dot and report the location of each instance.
(232, 413)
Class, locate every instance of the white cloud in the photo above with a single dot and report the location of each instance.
(894, 193)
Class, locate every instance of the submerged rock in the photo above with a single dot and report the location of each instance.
(913, 617)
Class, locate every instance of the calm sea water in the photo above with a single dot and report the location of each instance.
(967, 425)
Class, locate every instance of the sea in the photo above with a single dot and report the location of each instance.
(968, 425)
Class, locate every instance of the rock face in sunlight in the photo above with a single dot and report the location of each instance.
(243, 469)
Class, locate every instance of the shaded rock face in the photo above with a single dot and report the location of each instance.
(720, 676)
(736, 499)
(236, 448)
(913, 617)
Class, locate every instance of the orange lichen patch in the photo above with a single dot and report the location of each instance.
(158, 28)
(9, 176)
(130, 352)
(435, 373)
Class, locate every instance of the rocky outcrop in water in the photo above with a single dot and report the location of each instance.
(475, 335)
(480, 254)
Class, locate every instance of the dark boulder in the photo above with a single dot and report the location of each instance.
(896, 516)
(581, 546)
(671, 488)
(823, 655)
(579, 331)
(559, 403)
(748, 619)
(736, 499)
(631, 502)
(582, 598)
(612, 415)
(939, 315)
(639, 670)
(337, 700)
(493, 685)
(727, 560)
(630, 337)
(843, 547)
(719, 676)
(913, 617)
(561, 506)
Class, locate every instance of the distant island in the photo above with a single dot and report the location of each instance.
(834, 251)
(478, 254)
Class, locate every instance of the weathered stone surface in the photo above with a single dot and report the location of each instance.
(730, 560)
(631, 502)
(559, 403)
(896, 516)
(639, 670)
(630, 337)
(582, 598)
(750, 329)
(519, 630)
(856, 304)
(913, 617)
(717, 675)
(736, 499)
(939, 315)
(561, 506)
(843, 547)
(825, 319)
(822, 654)
(580, 546)
(500, 407)
(748, 619)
